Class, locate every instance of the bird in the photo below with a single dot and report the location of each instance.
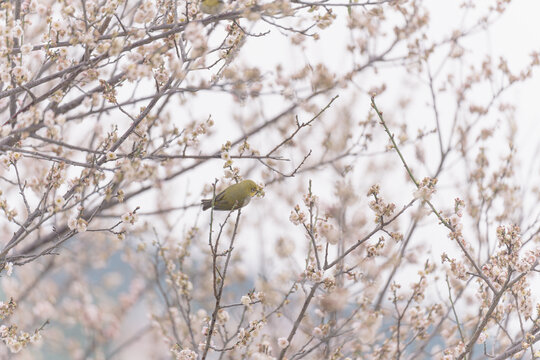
(211, 7)
(232, 198)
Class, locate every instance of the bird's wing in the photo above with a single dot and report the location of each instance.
(219, 196)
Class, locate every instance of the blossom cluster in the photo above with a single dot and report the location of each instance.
(381, 209)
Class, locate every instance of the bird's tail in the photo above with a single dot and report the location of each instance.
(206, 204)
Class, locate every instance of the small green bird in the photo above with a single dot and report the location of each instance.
(211, 7)
(234, 197)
